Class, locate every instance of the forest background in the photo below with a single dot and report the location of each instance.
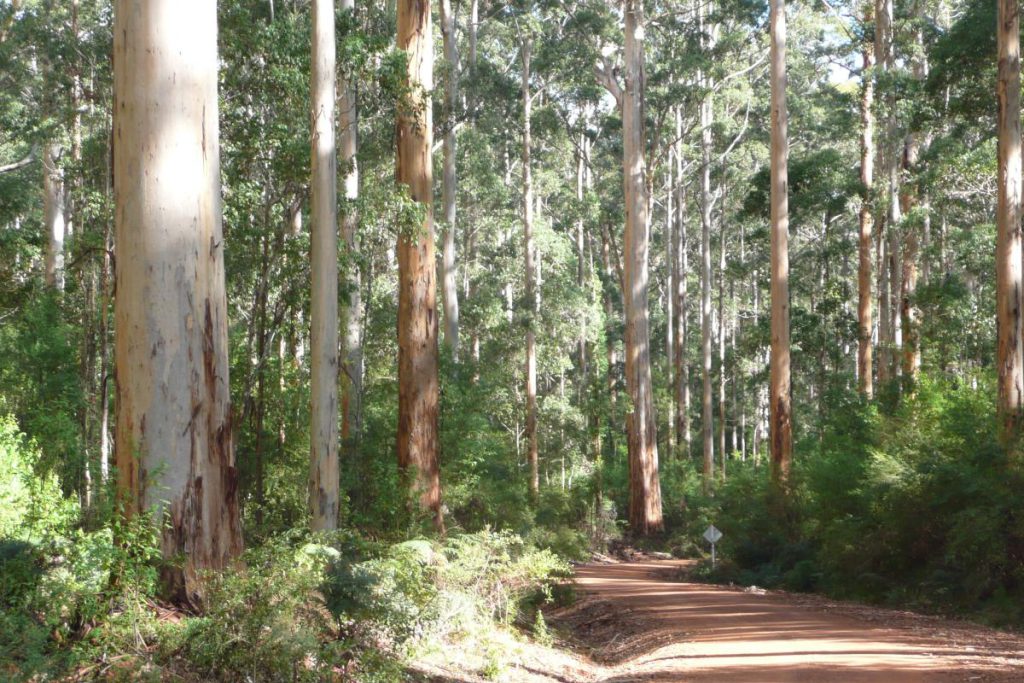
(903, 487)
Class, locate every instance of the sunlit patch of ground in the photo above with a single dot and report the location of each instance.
(505, 656)
(633, 624)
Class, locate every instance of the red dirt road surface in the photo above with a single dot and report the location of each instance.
(644, 627)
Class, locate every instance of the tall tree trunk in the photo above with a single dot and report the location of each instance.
(259, 411)
(884, 319)
(174, 451)
(87, 377)
(609, 339)
(864, 369)
(911, 357)
(104, 323)
(102, 390)
(531, 278)
(352, 313)
(739, 371)
(74, 207)
(474, 25)
(887, 226)
(418, 389)
(722, 332)
(1008, 236)
(449, 269)
(323, 334)
(895, 254)
(781, 426)
(682, 268)
(881, 50)
(530, 274)
(471, 231)
(582, 179)
(707, 410)
(645, 515)
(260, 325)
(584, 270)
(670, 302)
(53, 216)
(89, 275)
(909, 199)
(706, 209)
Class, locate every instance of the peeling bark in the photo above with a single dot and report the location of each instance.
(645, 514)
(173, 449)
(781, 420)
(418, 389)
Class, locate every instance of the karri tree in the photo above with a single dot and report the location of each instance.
(645, 514)
(867, 96)
(418, 389)
(351, 374)
(887, 204)
(707, 111)
(1010, 352)
(323, 465)
(681, 267)
(449, 270)
(914, 209)
(780, 406)
(54, 216)
(530, 267)
(174, 450)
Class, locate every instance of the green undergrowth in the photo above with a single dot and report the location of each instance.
(298, 607)
(915, 506)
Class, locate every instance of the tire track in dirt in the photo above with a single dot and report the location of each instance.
(644, 628)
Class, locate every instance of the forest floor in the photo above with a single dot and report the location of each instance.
(641, 621)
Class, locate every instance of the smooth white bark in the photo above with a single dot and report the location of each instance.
(323, 472)
(54, 217)
(449, 267)
(352, 314)
(174, 450)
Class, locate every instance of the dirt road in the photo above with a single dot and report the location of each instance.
(644, 627)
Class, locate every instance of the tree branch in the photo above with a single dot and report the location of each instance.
(14, 166)
(607, 74)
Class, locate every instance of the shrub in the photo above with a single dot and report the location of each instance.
(32, 507)
(916, 506)
(263, 621)
(419, 590)
(55, 579)
(388, 597)
(563, 541)
(499, 570)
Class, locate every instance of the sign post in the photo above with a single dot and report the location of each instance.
(712, 535)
